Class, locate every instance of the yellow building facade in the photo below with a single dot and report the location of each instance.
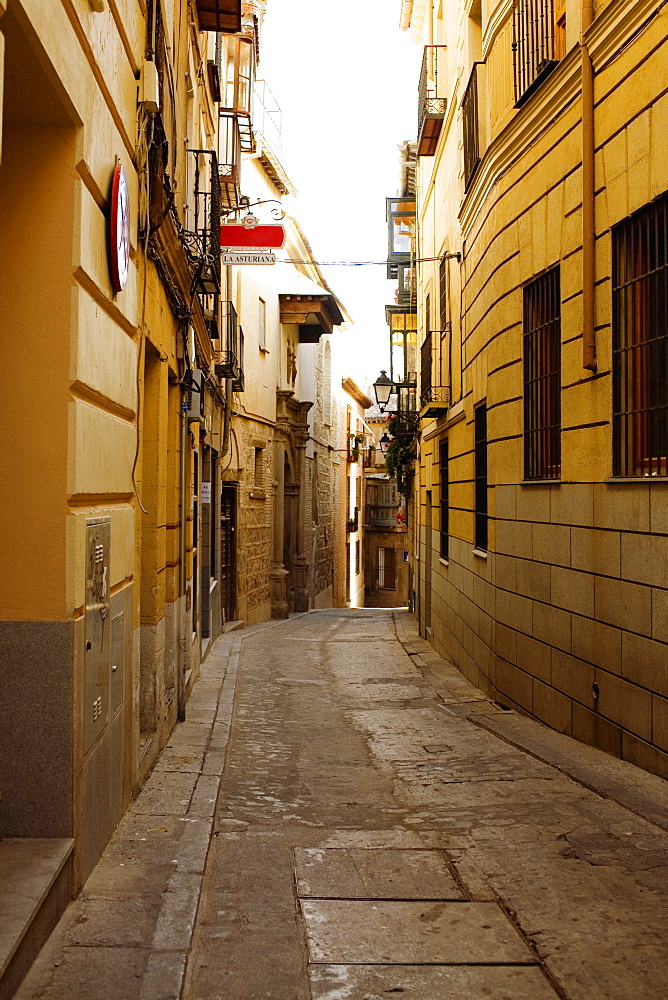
(541, 273)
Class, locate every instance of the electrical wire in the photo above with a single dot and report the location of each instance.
(367, 263)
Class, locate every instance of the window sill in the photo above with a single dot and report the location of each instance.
(443, 562)
(257, 494)
(480, 553)
(541, 482)
(637, 479)
(264, 350)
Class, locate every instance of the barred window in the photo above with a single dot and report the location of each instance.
(640, 342)
(445, 499)
(542, 377)
(386, 568)
(481, 477)
(539, 32)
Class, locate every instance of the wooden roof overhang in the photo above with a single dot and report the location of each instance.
(219, 15)
(314, 314)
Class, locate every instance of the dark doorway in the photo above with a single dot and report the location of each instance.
(228, 517)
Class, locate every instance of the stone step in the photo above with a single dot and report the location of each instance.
(35, 888)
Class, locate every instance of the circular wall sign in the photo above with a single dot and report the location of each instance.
(119, 235)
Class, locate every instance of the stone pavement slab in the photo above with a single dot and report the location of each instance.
(352, 873)
(378, 982)
(411, 933)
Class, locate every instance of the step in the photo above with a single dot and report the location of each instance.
(35, 888)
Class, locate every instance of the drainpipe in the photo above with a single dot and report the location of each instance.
(183, 625)
(406, 15)
(588, 188)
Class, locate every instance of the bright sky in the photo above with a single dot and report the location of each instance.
(346, 79)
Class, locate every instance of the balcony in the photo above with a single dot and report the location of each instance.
(237, 83)
(230, 358)
(537, 42)
(471, 122)
(219, 15)
(434, 398)
(431, 99)
(229, 162)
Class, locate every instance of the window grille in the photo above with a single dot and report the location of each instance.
(481, 477)
(386, 568)
(445, 499)
(425, 370)
(471, 122)
(640, 343)
(443, 291)
(533, 44)
(542, 377)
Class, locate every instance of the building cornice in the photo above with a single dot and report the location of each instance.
(354, 390)
(494, 25)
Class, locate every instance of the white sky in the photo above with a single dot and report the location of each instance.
(346, 79)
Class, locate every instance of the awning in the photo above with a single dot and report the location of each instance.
(314, 314)
(219, 15)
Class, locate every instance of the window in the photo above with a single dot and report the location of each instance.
(262, 324)
(426, 357)
(443, 291)
(258, 475)
(481, 478)
(445, 498)
(640, 342)
(539, 34)
(357, 558)
(542, 377)
(386, 568)
(470, 119)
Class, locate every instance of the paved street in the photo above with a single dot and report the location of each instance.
(343, 817)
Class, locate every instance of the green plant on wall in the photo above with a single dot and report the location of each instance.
(397, 456)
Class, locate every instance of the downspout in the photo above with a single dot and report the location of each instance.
(588, 190)
(183, 527)
(406, 15)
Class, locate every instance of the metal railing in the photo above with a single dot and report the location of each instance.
(202, 242)
(267, 118)
(533, 44)
(431, 99)
(229, 363)
(471, 123)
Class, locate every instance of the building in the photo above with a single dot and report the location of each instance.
(542, 225)
(385, 527)
(157, 485)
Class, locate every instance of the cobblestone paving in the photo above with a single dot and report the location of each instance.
(343, 817)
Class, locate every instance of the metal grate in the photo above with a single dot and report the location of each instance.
(471, 125)
(542, 377)
(533, 44)
(431, 103)
(386, 568)
(425, 370)
(640, 343)
(443, 461)
(481, 477)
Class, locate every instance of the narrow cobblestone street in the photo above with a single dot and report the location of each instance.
(343, 817)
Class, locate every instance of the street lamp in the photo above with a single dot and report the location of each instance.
(383, 389)
(385, 442)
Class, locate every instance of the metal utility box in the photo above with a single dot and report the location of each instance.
(97, 655)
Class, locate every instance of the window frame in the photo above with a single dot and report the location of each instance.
(639, 358)
(444, 468)
(481, 533)
(541, 354)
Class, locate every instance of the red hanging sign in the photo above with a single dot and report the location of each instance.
(258, 237)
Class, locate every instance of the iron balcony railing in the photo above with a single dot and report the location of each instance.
(229, 161)
(434, 397)
(202, 242)
(471, 123)
(431, 99)
(533, 44)
(229, 360)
